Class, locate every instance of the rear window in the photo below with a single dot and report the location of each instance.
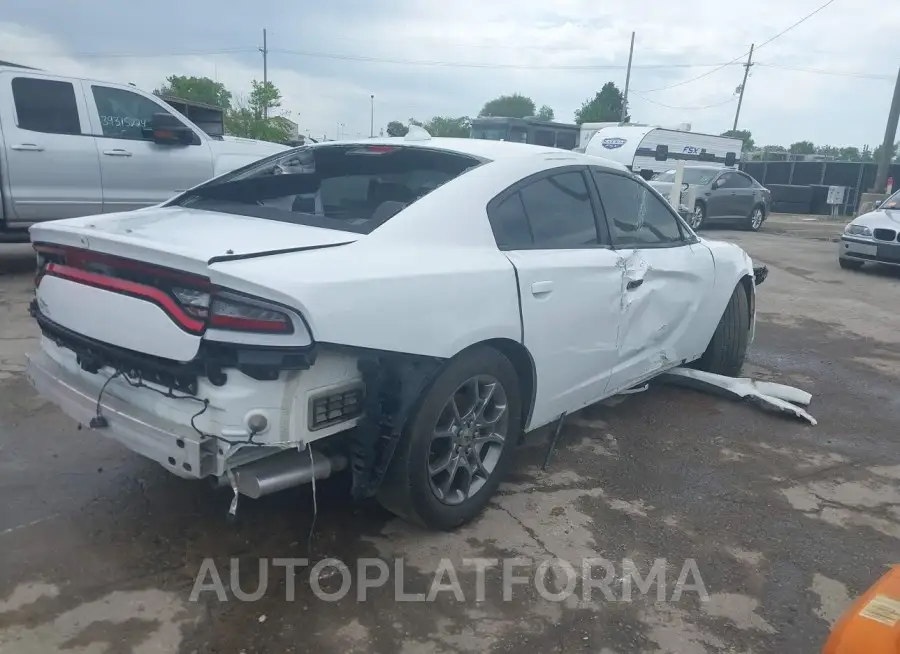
(349, 188)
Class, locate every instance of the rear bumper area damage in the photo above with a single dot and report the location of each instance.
(194, 418)
(177, 447)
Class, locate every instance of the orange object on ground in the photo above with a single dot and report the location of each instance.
(872, 624)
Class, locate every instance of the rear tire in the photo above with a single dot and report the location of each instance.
(850, 264)
(411, 488)
(727, 350)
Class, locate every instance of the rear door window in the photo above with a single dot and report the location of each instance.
(47, 106)
(636, 216)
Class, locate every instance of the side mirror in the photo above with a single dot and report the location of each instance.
(166, 129)
(878, 203)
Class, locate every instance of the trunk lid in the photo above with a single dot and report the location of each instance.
(185, 239)
(116, 278)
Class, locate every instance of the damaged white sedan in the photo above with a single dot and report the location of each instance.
(405, 308)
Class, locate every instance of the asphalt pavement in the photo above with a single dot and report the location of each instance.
(770, 525)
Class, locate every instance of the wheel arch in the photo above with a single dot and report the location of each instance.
(523, 363)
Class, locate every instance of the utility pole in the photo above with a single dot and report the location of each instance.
(887, 146)
(372, 117)
(743, 86)
(627, 82)
(265, 52)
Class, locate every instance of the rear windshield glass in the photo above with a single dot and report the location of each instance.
(352, 188)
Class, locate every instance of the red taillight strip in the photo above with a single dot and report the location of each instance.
(78, 258)
(125, 287)
(249, 324)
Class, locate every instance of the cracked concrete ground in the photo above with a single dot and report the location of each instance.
(786, 523)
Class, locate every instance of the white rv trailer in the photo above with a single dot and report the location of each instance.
(647, 149)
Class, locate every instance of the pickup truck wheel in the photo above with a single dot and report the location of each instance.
(727, 350)
(457, 445)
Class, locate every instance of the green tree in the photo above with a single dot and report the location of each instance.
(850, 153)
(509, 106)
(774, 148)
(196, 89)
(605, 106)
(744, 135)
(545, 112)
(252, 118)
(396, 128)
(449, 126)
(876, 154)
(802, 147)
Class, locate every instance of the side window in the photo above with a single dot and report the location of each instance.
(544, 137)
(559, 211)
(566, 140)
(726, 180)
(637, 218)
(740, 181)
(510, 224)
(44, 105)
(123, 114)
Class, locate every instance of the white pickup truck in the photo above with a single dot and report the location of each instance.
(74, 147)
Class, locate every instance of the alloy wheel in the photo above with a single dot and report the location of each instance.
(697, 217)
(468, 439)
(756, 218)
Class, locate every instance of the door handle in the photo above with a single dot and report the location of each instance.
(117, 152)
(539, 289)
(29, 147)
(633, 284)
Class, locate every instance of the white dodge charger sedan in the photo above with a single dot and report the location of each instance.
(405, 308)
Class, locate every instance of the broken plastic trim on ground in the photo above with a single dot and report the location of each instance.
(768, 395)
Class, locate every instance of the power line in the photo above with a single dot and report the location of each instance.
(129, 55)
(669, 106)
(819, 71)
(461, 64)
(789, 28)
(743, 54)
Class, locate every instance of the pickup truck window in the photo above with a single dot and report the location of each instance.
(123, 114)
(44, 105)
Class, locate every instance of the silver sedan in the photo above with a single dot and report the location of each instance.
(873, 237)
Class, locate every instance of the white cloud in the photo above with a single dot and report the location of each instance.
(316, 104)
(780, 105)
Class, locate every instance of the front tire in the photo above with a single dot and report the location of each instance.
(727, 350)
(456, 447)
(756, 218)
(698, 218)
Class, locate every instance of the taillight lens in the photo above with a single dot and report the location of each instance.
(229, 313)
(194, 302)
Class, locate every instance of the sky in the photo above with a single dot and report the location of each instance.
(828, 80)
